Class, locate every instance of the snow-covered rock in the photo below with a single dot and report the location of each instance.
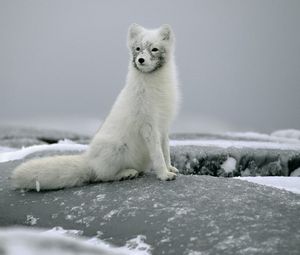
(205, 154)
(18, 137)
(191, 215)
(287, 133)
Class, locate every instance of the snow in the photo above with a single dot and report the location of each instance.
(15, 241)
(22, 153)
(291, 184)
(220, 143)
(6, 149)
(229, 165)
(37, 186)
(277, 136)
(280, 140)
(31, 220)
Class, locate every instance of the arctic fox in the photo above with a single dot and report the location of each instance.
(134, 136)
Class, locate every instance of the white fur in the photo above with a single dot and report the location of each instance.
(134, 136)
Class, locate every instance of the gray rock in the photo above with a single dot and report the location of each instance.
(250, 162)
(16, 137)
(194, 213)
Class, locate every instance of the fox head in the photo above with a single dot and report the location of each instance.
(150, 49)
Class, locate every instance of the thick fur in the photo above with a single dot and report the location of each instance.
(134, 136)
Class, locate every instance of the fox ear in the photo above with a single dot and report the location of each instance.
(166, 32)
(133, 31)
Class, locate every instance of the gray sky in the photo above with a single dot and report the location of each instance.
(238, 61)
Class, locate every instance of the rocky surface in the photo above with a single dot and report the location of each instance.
(204, 214)
(194, 213)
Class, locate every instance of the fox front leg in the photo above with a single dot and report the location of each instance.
(166, 151)
(151, 138)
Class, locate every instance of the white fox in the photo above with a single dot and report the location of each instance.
(134, 136)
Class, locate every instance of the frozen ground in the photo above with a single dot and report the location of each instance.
(192, 215)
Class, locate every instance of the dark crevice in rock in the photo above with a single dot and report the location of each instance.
(294, 163)
(48, 140)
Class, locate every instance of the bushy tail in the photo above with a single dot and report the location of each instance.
(52, 173)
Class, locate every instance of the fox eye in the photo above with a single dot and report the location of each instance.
(137, 48)
(154, 49)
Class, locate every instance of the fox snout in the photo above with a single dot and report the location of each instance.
(141, 60)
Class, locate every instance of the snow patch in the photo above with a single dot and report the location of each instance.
(6, 149)
(22, 153)
(229, 165)
(220, 143)
(139, 245)
(291, 184)
(263, 137)
(31, 220)
(15, 241)
(37, 186)
(62, 231)
(66, 141)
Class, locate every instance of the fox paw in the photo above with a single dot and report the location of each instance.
(173, 169)
(167, 176)
(127, 174)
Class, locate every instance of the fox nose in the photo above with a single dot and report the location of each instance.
(141, 60)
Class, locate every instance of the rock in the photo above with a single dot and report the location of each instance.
(249, 161)
(193, 213)
(17, 137)
(191, 159)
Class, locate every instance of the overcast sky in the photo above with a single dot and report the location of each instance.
(66, 60)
